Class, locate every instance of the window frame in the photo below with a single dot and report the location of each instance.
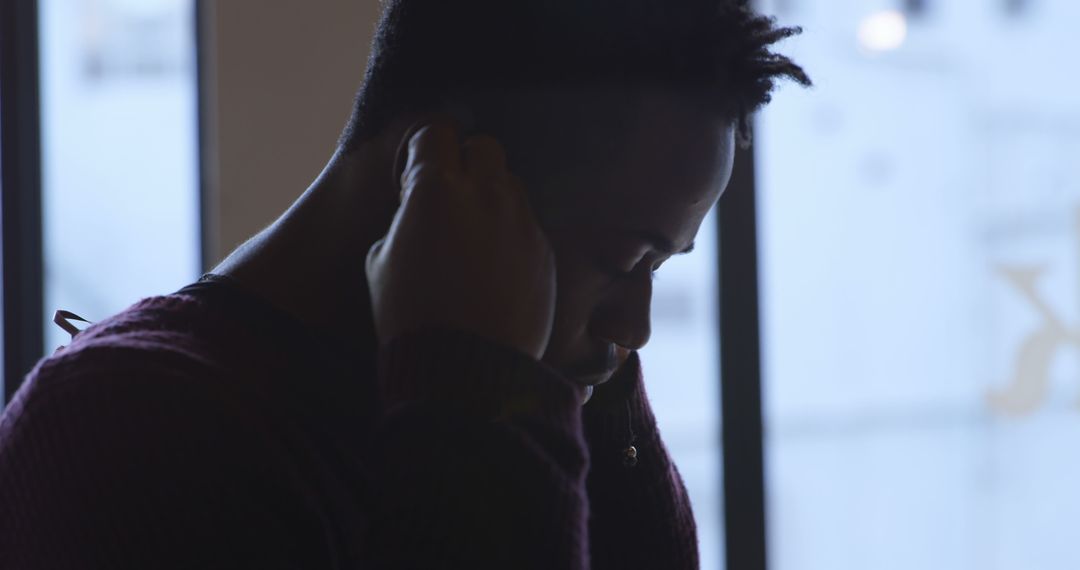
(20, 163)
(740, 370)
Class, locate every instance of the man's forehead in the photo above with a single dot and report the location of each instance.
(648, 161)
(651, 180)
(666, 226)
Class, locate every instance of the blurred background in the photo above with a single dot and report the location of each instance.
(917, 242)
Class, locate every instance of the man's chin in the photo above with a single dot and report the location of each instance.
(595, 379)
(590, 374)
(588, 392)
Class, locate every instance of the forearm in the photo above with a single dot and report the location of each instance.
(480, 459)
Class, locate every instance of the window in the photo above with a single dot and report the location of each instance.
(681, 370)
(119, 153)
(919, 245)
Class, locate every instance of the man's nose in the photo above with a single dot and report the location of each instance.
(624, 316)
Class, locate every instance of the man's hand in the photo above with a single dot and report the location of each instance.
(464, 251)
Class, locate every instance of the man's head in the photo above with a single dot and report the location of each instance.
(621, 117)
(430, 54)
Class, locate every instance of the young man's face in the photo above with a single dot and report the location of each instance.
(612, 226)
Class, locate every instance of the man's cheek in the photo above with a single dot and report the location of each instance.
(570, 329)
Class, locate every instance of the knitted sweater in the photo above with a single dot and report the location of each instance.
(207, 429)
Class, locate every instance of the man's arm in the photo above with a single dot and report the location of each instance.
(479, 460)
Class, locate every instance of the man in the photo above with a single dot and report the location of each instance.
(393, 373)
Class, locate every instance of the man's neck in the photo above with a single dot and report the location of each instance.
(310, 262)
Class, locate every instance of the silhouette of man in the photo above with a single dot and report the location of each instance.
(392, 375)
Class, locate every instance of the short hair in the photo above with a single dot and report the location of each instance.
(427, 53)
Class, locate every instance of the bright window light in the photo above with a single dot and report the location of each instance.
(883, 31)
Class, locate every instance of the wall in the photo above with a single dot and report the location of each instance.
(279, 80)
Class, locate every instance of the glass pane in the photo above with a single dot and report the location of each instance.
(682, 375)
(119, 156)
(919, 254)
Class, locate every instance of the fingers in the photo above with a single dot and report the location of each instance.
(433, 147)
(372, 258)
(435, 144)
(437, 160)
(485, 159)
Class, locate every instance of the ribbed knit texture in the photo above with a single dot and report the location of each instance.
(208, 430)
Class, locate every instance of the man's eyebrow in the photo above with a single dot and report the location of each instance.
(660, 242)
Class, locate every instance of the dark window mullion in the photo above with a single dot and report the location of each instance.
(20, 163)
(740, 366)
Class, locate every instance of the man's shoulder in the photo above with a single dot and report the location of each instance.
(155, 350)
(166, 323)
(136, 417)
(154, 372)
(166, 335)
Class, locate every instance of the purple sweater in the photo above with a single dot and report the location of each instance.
(206, 429)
